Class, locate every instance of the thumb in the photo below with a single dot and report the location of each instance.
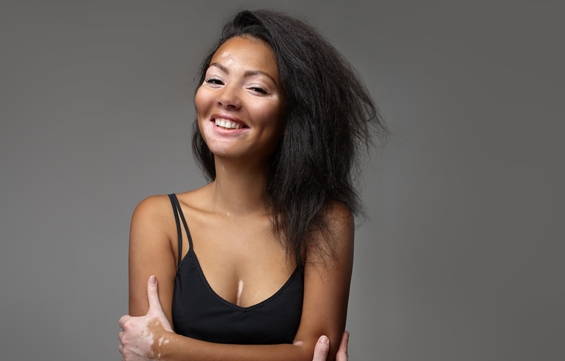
(155, 305)
(342, 354)
(322, 348)
(153, 294)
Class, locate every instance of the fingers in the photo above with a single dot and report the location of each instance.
(153, 293)
(342, 351)
(322, 348)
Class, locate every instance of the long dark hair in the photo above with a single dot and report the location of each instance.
(329, 118)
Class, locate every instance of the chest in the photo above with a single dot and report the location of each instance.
(200, 312)
(241, 260)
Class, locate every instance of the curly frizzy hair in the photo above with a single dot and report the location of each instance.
(329, 119)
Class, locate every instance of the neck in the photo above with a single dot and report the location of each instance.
(239, 188)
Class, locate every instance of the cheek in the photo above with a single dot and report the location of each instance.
(201, 100)
(268, 114)
(201, 104)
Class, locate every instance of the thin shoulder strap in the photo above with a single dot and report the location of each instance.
(177, 210)
(173, 198)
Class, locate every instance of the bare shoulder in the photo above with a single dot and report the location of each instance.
(154, 212)
(155, 215)
(341, 226)
(340, 218)
(336, 241)
(153, 222)
(153, 205)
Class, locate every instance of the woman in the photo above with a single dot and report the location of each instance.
(256, 265)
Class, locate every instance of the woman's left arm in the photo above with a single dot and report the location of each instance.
(327, 276)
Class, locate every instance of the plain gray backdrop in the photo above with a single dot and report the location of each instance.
(461, 256)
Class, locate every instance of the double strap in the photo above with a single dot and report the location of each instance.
(177, 210)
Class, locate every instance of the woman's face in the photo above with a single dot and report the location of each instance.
(239, 105)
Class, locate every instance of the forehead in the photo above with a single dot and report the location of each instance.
(247, 53)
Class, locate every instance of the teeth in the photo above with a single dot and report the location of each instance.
(224, 123)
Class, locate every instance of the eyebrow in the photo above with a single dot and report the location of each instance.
(247, 72)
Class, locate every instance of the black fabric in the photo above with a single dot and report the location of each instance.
(200, 313)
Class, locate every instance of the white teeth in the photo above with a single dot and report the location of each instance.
(224, 123)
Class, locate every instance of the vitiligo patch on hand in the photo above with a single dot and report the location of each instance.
(155, 327)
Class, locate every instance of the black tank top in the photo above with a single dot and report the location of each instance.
(200, 313)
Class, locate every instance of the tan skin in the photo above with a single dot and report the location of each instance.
(242, 86)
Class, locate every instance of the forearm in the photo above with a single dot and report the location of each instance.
(174, 347)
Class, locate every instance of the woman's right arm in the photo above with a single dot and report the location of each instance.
(151, 253)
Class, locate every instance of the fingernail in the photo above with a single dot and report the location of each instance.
(323, 339)
(153, 280)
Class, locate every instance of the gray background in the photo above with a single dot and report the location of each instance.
(462, 255)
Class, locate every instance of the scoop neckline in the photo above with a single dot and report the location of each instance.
(193, 255)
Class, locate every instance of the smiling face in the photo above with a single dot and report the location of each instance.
(239, 105)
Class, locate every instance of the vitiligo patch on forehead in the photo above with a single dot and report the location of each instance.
(227, 62)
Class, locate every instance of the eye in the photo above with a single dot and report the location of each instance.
(214, 81)
(258, 90)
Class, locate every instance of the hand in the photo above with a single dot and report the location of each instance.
(323, 347)
(141, 337)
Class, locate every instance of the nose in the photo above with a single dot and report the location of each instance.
(230, 97)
